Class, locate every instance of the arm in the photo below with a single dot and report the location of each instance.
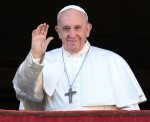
(28, 78)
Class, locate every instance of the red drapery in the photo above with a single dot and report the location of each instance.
(74, 116)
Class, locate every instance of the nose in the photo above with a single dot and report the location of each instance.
(72, 33)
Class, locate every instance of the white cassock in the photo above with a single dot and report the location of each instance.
(105, 81)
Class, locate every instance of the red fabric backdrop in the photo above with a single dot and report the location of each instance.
(74, 116)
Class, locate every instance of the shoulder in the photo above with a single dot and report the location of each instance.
(102, 52)
(105, 54)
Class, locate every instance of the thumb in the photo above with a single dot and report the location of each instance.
(48, 40)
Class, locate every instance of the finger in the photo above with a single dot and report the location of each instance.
(48, 40)
(38, 30)
(42, 29)
(33, 32)
(46, 30)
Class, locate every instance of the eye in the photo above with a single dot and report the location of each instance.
(77, 28)
(65, 29)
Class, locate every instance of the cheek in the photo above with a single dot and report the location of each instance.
(61, 36)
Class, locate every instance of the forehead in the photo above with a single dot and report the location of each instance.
(71, 15)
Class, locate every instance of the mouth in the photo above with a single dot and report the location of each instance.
(72, 40)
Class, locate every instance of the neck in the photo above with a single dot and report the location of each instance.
(72, 52)
(79, 52)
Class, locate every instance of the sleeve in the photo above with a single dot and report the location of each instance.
(131, 107)
(28, 80)
(29, 105)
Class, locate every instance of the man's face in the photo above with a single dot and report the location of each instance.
(73, 29)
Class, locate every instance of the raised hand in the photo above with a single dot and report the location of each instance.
(39, 40)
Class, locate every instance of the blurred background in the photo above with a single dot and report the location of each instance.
(120, 26)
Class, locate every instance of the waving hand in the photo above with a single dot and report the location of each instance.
(39, 40)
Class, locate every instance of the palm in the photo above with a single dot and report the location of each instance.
(39, 41)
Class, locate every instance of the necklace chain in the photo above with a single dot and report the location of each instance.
(78, 70)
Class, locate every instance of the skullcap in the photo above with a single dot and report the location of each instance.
(73, 7)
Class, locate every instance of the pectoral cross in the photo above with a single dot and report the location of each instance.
(70, 94)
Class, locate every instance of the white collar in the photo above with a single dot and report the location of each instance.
(81, 52)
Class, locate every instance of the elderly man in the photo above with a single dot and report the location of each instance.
(76, 76)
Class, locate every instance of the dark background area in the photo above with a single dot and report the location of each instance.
(120, 26)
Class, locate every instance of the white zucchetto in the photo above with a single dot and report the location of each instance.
(73, 7)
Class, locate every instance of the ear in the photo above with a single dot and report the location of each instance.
(58, 31)
(89, 27)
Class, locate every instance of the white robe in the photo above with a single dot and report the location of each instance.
(106, 80)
